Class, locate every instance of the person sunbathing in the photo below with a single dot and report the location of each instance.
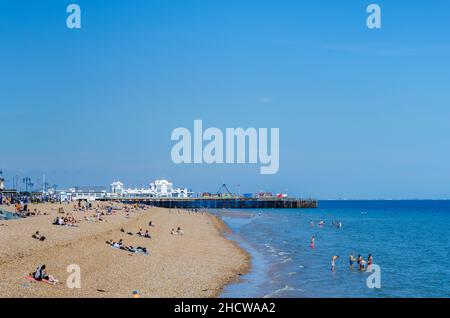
(179, 231)
(41, 274)
(147, 234)
(138, 249)
(38, 236)
(58, 221)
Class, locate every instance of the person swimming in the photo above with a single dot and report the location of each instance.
(358, 261)
(312, 241)
(369, 262)
(333, 262)
(351, 260)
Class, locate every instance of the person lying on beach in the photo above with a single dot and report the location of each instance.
(124, 247)
(138, 249)
(179, 231)
(142, 234)
(113, 244)
(150, 224)
(123, 231)
(41, 274)
(38, 236)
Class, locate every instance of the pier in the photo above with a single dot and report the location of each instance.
(223, 202)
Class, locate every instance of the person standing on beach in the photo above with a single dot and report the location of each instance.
(333, 262)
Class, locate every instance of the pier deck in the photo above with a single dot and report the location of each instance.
(223, 202)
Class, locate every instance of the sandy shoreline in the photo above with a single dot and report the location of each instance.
(197, 264)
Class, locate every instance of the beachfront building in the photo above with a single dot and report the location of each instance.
(157, 189)
(84, 193)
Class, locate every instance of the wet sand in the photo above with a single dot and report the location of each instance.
(197, 264)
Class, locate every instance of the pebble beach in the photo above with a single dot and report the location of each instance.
(198, 263)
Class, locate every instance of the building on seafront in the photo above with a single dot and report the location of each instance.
(86, 193)
(158, 189)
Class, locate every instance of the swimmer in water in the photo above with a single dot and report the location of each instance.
(333, 262)
(351, 260)
(358, 261)
(369, 262)
(311, 243)
(362, 265)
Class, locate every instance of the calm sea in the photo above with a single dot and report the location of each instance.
(409, 240)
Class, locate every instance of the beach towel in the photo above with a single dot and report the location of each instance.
(31, 278)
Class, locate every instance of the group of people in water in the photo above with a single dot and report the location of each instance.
(362, 264)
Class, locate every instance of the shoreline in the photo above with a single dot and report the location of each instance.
(176, 267)
(225, 230)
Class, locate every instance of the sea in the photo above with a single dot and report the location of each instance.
(408, 240)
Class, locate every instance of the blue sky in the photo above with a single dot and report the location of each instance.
(362, 113)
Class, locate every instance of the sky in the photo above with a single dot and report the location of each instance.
(363, 113)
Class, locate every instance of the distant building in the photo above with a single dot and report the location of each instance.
(2, 184)
(158, 189)
(84, 193)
